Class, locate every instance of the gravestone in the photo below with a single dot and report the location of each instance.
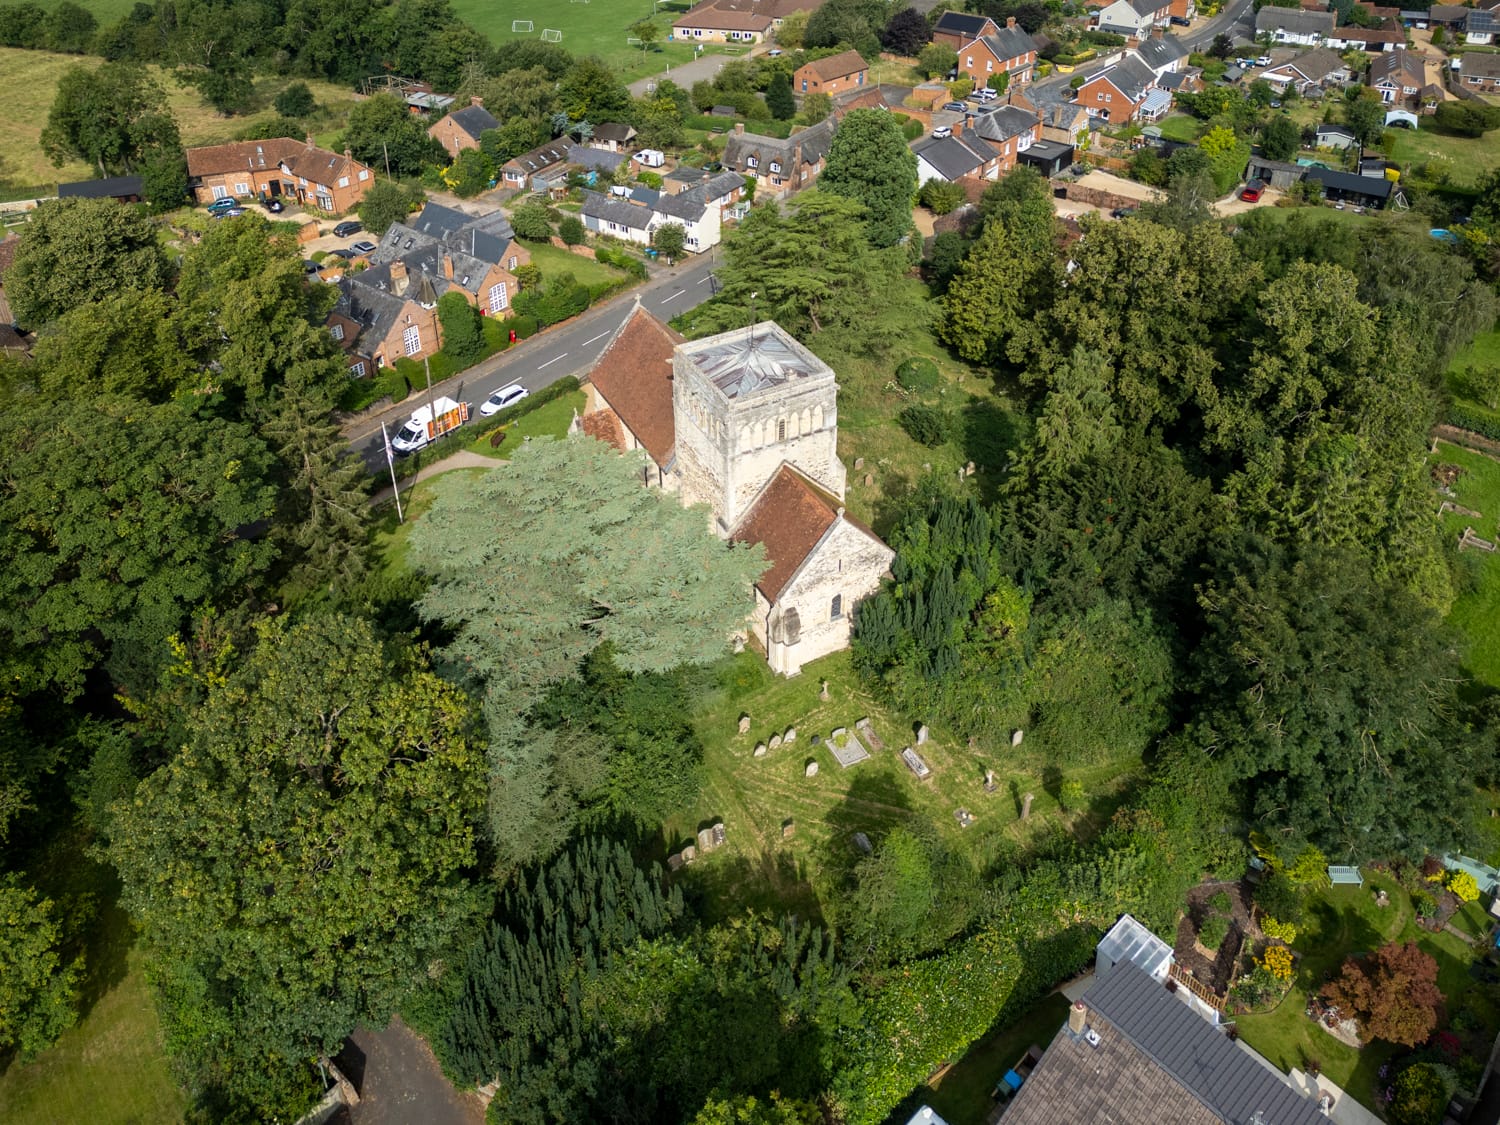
(788, 828)
(789, 736)
(838, 732)
(1026, 806)
(823, 695)
(776, 742)
(990, 784)
(859, 463)
(744, 724)
(922, 735)
(915, 763)
(869, 480)
(719, 834)
(689, 854)
(969, 469)
(862, 842)
(705, 840)
(862, 723)
(816, 739)
(739, 645)
(760, 749)
(812, 770)
(1016, 736)
(964, 817)
(674, 863)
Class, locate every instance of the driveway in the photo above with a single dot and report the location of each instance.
(701, 69)
(403, 1083)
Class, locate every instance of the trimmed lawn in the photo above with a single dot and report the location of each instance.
(963, 1095)
(549, 420)
(109, 1070)
(1469, 158)
(552, 261)
(1180, 127)
(1476, 613)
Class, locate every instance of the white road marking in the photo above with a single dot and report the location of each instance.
(551, 361)
(674, 296)
(601, 336)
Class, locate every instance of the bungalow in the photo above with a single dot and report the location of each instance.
(954, 29)
(528, 169)
(1481, 28)
(1009, 131)
(1480, 73)
(1362, 191)
(1319, 67)
(1135, 17)
(1008, 50)
(780, 166)
(836, 74)
(278, 168)
(1117, 91)
(1373, 39)
(1451, 16)
(1288, 25)
(955, 158)
(1334, 136)
(1398, 77)
(122, 189)
(709, 22)
(460, 129)
(1163, 53)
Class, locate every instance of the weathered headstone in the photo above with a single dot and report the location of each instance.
(862, 723)
(812, 769)
(990, 784)
(788, 828)
(776, 742)
(859, 463)
(1016, 736)
(969, 469)
(744, 724)
(790, 735)
(719, 834)
(869, 480)
(823, 695)
(816, 739)
(705, 840)
(689, 854)
(922, 735)
(837, 732)
(964, 817)
(674, 863)
(862, 842)
(1026, 806)
(760, 749)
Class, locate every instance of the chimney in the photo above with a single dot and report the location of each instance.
(1078, 1018)
(958, 127)
(398, 277)
(739, 126)
(476, 100)
(348, 154)
(1156, 33)
(448, 266)
(309, 140)
(1010, 21)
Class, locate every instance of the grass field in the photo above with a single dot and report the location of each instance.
(552, 261)
(1476, 613)
(23, 163)
(550, 420)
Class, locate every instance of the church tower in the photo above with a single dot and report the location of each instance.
(743, 402)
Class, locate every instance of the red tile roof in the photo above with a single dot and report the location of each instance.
(634, 377)
(317, 165)
(790, 517)
(605, 426)
(838, 66)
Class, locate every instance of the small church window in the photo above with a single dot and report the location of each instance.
(781, 430)
(837, 609)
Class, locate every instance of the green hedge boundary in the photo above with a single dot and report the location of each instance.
(1477, 419)
(467, 435)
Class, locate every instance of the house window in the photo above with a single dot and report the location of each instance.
(752, 162)
(511, 265)
(498, 299)
(220, 192)
(989, 65)
(357, 369)
(411, 340)
(379, 362)
(781, 430)
(343, 181)
(776, 181)
(364, 175)
(337, 330)
(241, 189)
(776, 166)
(836, 610)
(804, 85)
(325, 201)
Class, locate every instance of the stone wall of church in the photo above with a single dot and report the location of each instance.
(847, 565)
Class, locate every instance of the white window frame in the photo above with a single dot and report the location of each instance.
(343, 181)
(241, 189)
(499, 299)
(337, 330)
(357, 369)
(411, 340)
(220, 191)
(513, 263)
(364, 175)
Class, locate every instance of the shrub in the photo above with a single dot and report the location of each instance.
(570, 230)
(621, 260)
(1277, 960)
(523, 326)
(1421, 1096)
(1281, 931)
(392, 381)
(1464, 885)
(918, 374)
(930, 425)
(1255, 987)
(1214, 930)
(463, 339)
(1070, 794)
(295, 101)
(1278, 897)
(940, 197)
(912, 129)
(1310, 868)
(530, 221)
(651, 180)
(1424, 904)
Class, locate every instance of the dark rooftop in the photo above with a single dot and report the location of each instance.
(115, 187)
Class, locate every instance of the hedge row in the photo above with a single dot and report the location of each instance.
(466, 436)
(1476, 419)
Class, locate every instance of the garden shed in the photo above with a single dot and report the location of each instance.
(1345, 876)
(1128, 940)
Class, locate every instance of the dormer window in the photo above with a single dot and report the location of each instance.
(752, 162)
(776, 166)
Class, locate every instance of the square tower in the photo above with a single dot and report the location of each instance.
(744, 402)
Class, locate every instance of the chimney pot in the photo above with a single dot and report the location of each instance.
(739, 126)
(1010, 21)
(476, 100)
(1078, 1017)
(309, 140)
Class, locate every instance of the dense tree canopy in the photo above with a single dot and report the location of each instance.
(869, 163)
(113, 116)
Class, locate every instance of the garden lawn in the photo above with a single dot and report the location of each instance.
(963, 1096)
(108, 1070)
(1469, 158)
(1180, 127)
(754, 797)
(553, 260)
(1476, 613)
(1341, 922)
(552, 419)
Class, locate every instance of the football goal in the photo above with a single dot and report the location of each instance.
(518, 26)
(551, 35)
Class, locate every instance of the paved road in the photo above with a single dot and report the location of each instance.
(403, 1084)
(1237, 21)
(568, 349)
(701, 69)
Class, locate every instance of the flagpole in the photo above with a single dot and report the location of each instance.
(390, 461)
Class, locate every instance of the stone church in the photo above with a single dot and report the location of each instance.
(745, 423)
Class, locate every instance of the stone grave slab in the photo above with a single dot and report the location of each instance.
(915, 763)
(847, 749)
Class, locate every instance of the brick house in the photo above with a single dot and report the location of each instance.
(536, 164)
(278, 168)
(954, 29)
(388, 311)
(461, 128)
(1008, 131)
(951, 159)
(1116, 92)
(1009, 50)
(1182, 11)
(780, 166)
(1480, 73)
(710, 23)
(1398, 76)
(836, 74)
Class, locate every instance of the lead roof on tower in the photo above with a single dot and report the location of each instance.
(749, 360)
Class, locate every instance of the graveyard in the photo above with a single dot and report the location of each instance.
(804, 785)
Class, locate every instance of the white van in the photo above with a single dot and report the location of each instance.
(650, 158)
(429, 423)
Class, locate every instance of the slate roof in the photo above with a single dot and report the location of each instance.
(615, 132)
(1294, 22)
(1130, 76)
(634, 375)
(474, 119)
(683, 174)
(1005, 123)
(1478, 65)
(1146, 7)
(1401, 67)
(541, 158)
(374, 310)
(109, 188)
(789, 518)
(691, 204)
(1161, 52)
(961, 23)
(953, 157)
(1349, 182)
(598, 159)
(1448, 13)
(613, 209)
(1315, 65)
(1009, 42)
(838, 66)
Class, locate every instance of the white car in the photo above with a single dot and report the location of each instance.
(1264, 60)
(984, 94)
(505, 396)
(942, 131)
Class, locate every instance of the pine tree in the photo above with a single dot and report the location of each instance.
(779, 99)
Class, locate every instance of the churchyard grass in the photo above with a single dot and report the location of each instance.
(549, 420)
(1476, 612)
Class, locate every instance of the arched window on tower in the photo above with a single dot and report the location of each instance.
(836, 610)
(781, 430)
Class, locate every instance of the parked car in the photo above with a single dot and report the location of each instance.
(1253, 191)
(229, 213)
(1182, 21)
(219, 206)
(505, 396)
(345, 229)
(942, 131)
(984, 94)
(1264, 60)
(345, 254)
(1122, 212)
(713, 166)
(955, 107)
(363, 247)
(275, 206)
(310, 267)
(775, 52)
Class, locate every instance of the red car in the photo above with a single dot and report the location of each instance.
(1252, 191)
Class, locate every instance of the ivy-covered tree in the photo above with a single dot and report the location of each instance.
(111, 117)
(870, 163)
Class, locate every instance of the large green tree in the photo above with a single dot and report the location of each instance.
(381, 129)
(910, 897)
(76, 251)
(300, 863)
(869, 163)
(114, 117)
(37, 985)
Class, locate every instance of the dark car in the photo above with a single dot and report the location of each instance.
(363, 247)
(310, 267)
(345, 254)
(1122, 212)
(219, 206)
(345, 229)
(275, 206)
(955, 107)
(713, 166)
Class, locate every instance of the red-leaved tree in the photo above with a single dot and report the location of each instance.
(1393, 993)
